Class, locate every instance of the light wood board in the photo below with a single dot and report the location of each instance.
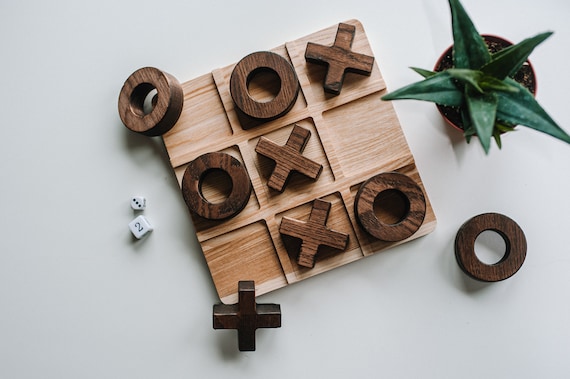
(354, 136)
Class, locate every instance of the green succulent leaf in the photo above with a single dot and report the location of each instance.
(424, 73)
(499, 130)
(468, 128)
(480, 81)
(509, 60)
(469, 48)
(438, 88)
(481, 86)
(503, 128)
(497, 137)
(482, 111)
(522, 108)
(467, 76)
(489, 83)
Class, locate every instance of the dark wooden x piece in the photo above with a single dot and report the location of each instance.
(288, 158)
(246, 316)
(313, 233)
(339, 58)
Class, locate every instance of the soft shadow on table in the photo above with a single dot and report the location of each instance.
(149, 148)
(227, 344)
(456, 276)
(456, 138)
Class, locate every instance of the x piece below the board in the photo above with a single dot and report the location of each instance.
(288, 158)
(313, 233)
(246, 316)
(339, 58)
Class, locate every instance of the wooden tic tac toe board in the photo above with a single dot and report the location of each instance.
(354, 136)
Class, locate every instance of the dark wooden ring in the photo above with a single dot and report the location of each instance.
(246, 68)
(364, 206)
(511, 233)
(192, 183)
(166, 110)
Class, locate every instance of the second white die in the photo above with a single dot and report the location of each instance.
(140, 227)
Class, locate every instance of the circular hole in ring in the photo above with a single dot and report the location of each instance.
(215, 185)
(490, 247)
(263, 84)
(143, 98)
(391, 206)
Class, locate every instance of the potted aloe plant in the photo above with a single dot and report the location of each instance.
(480, 85)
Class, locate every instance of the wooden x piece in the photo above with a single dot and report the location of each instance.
(339, 58)
(288, 158)
(313, 233)
(246, 316)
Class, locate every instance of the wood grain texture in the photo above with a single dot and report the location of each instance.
(354, 136)
(248, 67)
(327, 258)
(339, 59)
(246, 316)
(515, 242)
(247, 252)
(192, 186)
(288, 158)
(166, 105)
(313, 233)
(369, 220)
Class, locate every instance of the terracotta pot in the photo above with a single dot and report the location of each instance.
(524, 76)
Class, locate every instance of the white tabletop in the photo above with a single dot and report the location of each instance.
(80, 298)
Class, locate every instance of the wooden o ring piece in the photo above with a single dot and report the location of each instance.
(369, 221)
(244, 71)
(167, 104)
(511, 233)
(192, 183)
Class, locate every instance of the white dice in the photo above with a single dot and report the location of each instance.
(138, 203)
(140, 227)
